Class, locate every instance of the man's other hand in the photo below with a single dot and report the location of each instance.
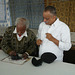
(39, 42)
(12, 53)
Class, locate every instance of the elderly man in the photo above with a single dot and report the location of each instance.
(19, 39)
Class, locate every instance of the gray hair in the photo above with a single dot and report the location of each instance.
(51, 9)
(25, 22)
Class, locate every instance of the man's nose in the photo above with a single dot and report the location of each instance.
(44, 20)
(19, 33)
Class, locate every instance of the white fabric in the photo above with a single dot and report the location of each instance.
(61, 32)
(20, 38)
(5, 18)
(55, 68)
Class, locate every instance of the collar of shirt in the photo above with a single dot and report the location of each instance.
(53, 26)
(56, 23)
(19, 38)
(24, 34)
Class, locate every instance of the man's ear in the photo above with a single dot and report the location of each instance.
(54, 17)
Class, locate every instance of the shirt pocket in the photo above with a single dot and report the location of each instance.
(57, 35)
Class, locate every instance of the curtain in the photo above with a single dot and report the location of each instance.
(5, 19)
(29, 9)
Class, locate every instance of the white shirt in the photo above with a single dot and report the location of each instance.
(61, 32)
(20, 38)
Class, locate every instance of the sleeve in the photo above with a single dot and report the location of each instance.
(39, 31)
(5, 41)
(65, 42)
(32, 47)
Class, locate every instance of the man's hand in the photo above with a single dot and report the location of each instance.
(24, 55)
(38, 42)
(49, 36)
(12, 53)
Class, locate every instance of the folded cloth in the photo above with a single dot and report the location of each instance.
(45, 57)
(36, 62)
(48, 57)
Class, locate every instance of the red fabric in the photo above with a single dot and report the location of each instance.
(19, 35)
